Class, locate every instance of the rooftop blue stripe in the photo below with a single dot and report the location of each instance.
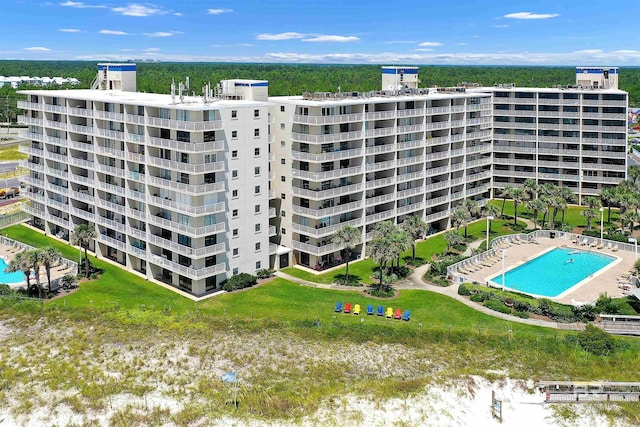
(399, 71)
(117, 67)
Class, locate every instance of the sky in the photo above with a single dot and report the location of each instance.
(413, 32)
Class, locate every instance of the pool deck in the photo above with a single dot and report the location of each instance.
(7, 252)
(587, 291)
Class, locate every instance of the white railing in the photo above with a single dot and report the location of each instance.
(325, 212)
(335, 137)
(190, 147)
(315, 250)
(326, 120)
(193, 189)
(323, 176)
(326, 157)
(329, 193)
(186, 167)
(194, 273)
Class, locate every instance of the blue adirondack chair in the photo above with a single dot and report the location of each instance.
(370, 310)
(338, 308)
(406, 316)
(380, 310)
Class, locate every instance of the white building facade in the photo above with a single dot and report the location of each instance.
(192, 190)
(177, 187)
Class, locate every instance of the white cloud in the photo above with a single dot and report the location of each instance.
(423, 49)
(430, 44)
(625, 51)
(463, 44)
(152, 49)
(113, 32)
(336, 39)
(37, 49)
(134, 9)
(280, 36)
(81, 5)
(177, 14)
(69, 30)
(162, 34)
(126, 50)
(529, 15)
(500, 26)
(594, 51)
(218, 11)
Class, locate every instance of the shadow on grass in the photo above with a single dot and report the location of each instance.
(417, 262)
(353, 280)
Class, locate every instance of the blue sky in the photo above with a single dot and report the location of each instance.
(567, 32)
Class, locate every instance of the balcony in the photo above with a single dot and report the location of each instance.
(382, 182)
(381, 115)
(57, 220)
(376, 133)
(410, 208)
(323, 231)
(85, 197)
(429, 203)
(327, 120)
(328, 193)
(116, 189)
(193, 273)
(184, 125)
(108, 133)
(114, 225)
(137, 195)
(81, 213)
(186, 229)
(194, 210)
(134, 118)
(380, 216)
(108, 115)
(316, 250)
(110, 152)
(192, 189)
(410, 176)
(326, 157)
(272, 231)
(114, 207)
(383, 198)
(110, 170)
(323, 176)
(89, 182)
(114, 243)
(82, 163)
(380, 149)
(334, 137)
(39, 167)
(188, 147)
(81, 145)
(39, 152)
(326, 212)
(437, 171)
(186, 250)
(373, 167)
(186, 167)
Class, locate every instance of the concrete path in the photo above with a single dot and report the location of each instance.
(415, 282)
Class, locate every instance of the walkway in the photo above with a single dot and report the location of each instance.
(415, 282)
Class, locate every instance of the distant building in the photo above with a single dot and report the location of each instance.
(15, 81)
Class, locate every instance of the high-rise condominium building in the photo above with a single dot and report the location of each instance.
(179, 187)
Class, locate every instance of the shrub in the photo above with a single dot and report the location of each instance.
(264, 273)
(477, 298)
(415, 262)
(522, 314)
(239, 281)
(521, 306)
(402, 272)
(497, 305)
(5, 289)
(465, 289)
(606, 305)
(596, 341)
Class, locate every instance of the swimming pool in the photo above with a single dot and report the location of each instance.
(9, 278)
(554, 272)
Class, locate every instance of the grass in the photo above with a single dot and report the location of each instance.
(292, 354)
(425, 249)
(572, 215)
(281, 299)
(12, 153)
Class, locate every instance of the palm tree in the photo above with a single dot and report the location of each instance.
(535, 206)
(608, 197)
(506, 192)
(453, 238)
(567, 195)
(634, 174)
(461, 217)
(589, 214)
(380, 252)
(493, 211)
(348, 238)
(20, 262)
(401, 240)
(82, 235)
(531, 187)
(519, 195)
(33, 259)
(417, 227)
(49, 257)
(472, 207)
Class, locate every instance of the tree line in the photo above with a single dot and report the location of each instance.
(293, 79)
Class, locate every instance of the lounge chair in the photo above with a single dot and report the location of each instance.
(584, 242)
(389, 313)
(406, 316)
(338, 308)
(615, 248)
(609, 246)
(398, 314)
(600, 246)
(347, 307)
(380, 310)
(594, 243)
(356, 309)
(370, 310)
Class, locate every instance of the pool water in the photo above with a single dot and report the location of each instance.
(9, 278)
(554, 272)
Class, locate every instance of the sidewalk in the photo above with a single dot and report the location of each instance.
(415, 282)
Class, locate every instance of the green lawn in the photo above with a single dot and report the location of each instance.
(425, 249)
(279, 299)
(572, 214)
(12, 153)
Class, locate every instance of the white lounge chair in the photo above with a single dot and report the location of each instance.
(584, 242)
(615, 248)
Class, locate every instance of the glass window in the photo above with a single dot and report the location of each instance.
(234, 134)
(234, 213)
(256, 133)
(256, 113)
(256, 152)
(234, 154)
(235, 232)
(258, 246)
(256, 189)
(234, 114)
(234, 193)
(210, 219)
(257, 208)
(256, 170)
(235, 251)
(257, 227)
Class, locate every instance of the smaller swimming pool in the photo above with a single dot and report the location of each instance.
(554, 272)
(10, 278)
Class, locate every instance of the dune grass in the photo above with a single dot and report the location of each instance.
(11, 154)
